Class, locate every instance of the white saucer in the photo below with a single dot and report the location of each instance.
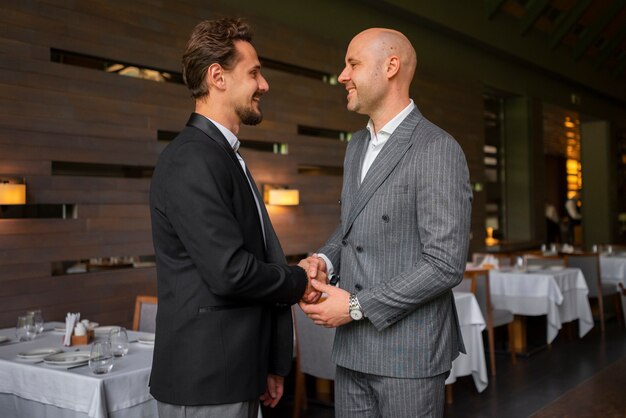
(38, 353)
(67, 359)
(147, 339)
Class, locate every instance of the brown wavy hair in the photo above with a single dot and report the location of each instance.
(212, 42)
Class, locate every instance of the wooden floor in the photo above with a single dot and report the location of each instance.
(554, 382)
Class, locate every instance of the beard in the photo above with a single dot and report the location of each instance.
(248, 115)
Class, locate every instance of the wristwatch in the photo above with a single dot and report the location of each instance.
(355, 308)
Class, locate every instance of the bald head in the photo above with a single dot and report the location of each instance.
(385, 43)
(380, 64)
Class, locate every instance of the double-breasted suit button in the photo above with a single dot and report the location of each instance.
(344, 242)
(359, 249)
(358, 287)
(385, 218)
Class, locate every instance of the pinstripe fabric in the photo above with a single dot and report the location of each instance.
(361, 395)
(401, 247)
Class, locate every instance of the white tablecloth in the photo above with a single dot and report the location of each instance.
(78, 392)
(613, 269)
(561, 295)
(472, 325)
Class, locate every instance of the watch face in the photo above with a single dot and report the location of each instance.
(356, 314)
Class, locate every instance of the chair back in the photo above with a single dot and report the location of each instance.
(314, 346)
(544, 261)
(144, 318)
(477, 282)
(589, 264)
(504, 260)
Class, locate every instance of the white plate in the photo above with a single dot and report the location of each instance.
(39, 352)
(556, 268)
(4, 339)
(59, 329)
(146, 339)
(105, 330)
(534, 268)
(67, 359)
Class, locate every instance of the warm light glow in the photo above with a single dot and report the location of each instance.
(12, 194)
(490, 240)
(572, 166)
(284, 197)
(278, 196)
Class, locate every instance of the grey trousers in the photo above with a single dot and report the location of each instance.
(230, 410)
(362, 395)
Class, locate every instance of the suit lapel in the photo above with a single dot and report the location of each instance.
(273, 249)
(389, 157)
(200, 122)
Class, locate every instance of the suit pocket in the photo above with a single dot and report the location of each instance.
(205, 309)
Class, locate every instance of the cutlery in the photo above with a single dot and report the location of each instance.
(77, 366)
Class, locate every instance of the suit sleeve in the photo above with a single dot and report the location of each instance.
(443, 206)
(200, 207)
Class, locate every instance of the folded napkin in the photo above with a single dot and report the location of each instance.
(71, 319)
(567, 249)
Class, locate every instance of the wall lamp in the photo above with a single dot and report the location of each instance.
(280, 195)
(12, 192)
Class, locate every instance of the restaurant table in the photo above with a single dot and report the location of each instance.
(37, 390)
(613, 268)
(559, 293)
(472, 325)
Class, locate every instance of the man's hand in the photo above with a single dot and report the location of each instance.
(316, 269)
(274, 391)
(333, 311)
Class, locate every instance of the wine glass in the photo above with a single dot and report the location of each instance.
(100, 357)
(25, 329)
(37, 318)
(119, 341)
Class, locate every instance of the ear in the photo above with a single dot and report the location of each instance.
(215, 76)
(392, 66)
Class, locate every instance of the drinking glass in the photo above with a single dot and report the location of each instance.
(100, 357)
(25, 329)
(119, 341)
(37, 318)
(594, 248)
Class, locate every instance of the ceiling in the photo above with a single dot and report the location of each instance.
(582, 42)
(590, 30)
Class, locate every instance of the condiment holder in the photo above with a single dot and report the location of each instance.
(82, 335)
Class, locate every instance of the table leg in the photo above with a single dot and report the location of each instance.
(519, 328)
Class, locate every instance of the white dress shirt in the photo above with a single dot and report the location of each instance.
(234, 142)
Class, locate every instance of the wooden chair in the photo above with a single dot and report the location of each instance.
(144, 318)
(479, 285)
(543, 261)
(589, 264)
(314, 346)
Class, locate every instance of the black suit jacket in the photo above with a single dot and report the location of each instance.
(224, 318)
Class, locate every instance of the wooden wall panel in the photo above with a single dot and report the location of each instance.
(50, 112)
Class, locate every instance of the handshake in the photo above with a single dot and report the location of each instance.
(333, 310)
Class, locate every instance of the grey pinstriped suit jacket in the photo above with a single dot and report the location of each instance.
(401, 247)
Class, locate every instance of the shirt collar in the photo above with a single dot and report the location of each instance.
(386, 131)
(230, 137)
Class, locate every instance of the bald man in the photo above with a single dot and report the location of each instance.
(400, 247)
